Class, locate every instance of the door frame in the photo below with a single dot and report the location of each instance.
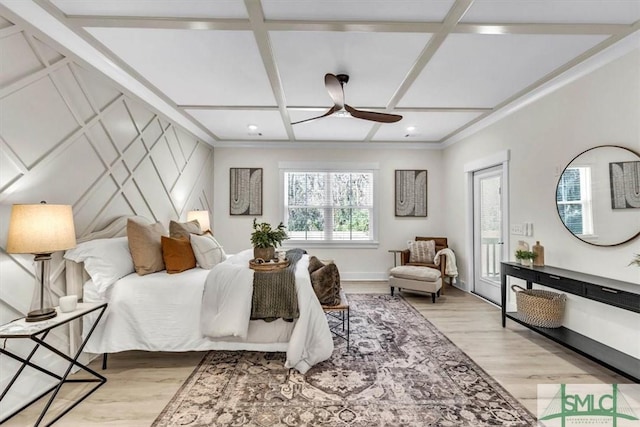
(501, 158)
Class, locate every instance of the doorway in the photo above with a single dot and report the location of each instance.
(488, 238)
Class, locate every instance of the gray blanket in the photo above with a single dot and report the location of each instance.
(274, 293)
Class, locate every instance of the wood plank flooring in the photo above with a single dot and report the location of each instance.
(140, 384)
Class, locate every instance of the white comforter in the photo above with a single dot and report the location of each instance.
(162, 312)
(226, 309)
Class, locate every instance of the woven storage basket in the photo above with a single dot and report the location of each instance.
(540, 308)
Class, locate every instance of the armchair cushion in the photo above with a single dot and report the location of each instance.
(422, 251)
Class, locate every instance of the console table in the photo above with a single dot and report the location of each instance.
(611, 292)
(37, 332)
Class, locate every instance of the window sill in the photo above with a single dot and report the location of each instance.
(330, 245)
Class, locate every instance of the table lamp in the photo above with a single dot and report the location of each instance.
(41, 229)
(202, 217)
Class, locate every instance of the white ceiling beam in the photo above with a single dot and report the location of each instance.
(261, 34)
(161, 23)
(457, 11)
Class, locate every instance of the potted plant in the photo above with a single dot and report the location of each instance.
(265, 239)
(525, 257)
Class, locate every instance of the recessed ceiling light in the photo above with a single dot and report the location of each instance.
(411, 129)
(252, 127)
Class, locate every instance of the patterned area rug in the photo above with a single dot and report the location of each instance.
(399, 371)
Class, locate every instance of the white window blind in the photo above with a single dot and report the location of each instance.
(333, 206)
(574, 200)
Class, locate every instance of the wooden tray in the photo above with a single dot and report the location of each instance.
(268, 266)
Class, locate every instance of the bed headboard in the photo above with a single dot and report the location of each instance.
(76, 275)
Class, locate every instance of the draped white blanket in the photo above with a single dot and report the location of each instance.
(450, 268)
(226, 309)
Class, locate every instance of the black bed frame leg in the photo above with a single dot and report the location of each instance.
(392, 289)
(104, 361)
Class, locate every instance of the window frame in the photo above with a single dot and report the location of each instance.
(353, 167)
(586, 201)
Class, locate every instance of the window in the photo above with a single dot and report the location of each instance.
(330, 205)
(574, 200)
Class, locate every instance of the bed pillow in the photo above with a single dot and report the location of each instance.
(145, 246)
(207, 250)
(184, 229)
(326, 284)
(106, 260)
(177, 254)
(422, 251)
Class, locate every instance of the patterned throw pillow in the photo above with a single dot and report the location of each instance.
(422, 251)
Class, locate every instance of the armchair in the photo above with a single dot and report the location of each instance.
(441, 243)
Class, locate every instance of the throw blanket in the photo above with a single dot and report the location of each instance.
(274, 293)
(450, 265)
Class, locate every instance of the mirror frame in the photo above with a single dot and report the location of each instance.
(556, 192)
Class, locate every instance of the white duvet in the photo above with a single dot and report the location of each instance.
(162, 312)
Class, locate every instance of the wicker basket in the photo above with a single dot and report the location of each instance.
(540, 308)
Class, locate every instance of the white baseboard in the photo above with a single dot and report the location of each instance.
(359, 276)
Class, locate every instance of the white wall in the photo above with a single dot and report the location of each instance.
(69, 136)
(233, 232)
(600, 108)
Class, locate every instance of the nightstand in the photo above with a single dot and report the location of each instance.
(38, 332)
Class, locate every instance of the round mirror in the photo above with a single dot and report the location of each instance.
(598, 196)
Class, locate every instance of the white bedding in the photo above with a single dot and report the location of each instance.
(161, 312)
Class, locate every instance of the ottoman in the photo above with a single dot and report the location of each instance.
(422, 279)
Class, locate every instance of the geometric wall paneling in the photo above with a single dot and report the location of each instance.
(51, 56)
(141, 115)
(4, 23)
(69, 135)
(99, 93)
(119, 126)
(67, 84)
(98, 137)
(15, 67)
(20, 114)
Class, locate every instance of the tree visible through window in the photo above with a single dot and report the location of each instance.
(574, 200)
(329, 206)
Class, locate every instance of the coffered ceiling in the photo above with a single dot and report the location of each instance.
(444, 65)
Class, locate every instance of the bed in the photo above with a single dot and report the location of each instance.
(165, 312)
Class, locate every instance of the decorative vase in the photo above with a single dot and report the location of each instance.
(538, 249)
(526, 262)
(264, 253)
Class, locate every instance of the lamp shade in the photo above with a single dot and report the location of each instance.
(202, 217)
(40, 229)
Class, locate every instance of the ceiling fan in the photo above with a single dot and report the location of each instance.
(335, 87)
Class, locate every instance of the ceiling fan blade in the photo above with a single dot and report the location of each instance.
(374, 117)
(335, 90)
(328, 113)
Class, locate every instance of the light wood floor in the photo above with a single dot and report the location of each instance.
(140, 384)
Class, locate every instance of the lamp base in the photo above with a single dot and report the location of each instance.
(41, 314)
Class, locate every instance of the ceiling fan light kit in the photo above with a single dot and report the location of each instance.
(335, 87)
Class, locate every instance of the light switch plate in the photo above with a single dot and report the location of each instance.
(517, 229)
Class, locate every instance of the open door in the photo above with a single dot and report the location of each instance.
(488, 240)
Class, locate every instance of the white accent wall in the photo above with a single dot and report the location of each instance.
(233, 232)
(69, 136)
(600, 108)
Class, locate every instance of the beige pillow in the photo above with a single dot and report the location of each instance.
(422, 251)
(145, 246)
(184, 229)
(207, 251)
(177, 254)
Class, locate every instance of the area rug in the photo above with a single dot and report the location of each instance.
(400, 371)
